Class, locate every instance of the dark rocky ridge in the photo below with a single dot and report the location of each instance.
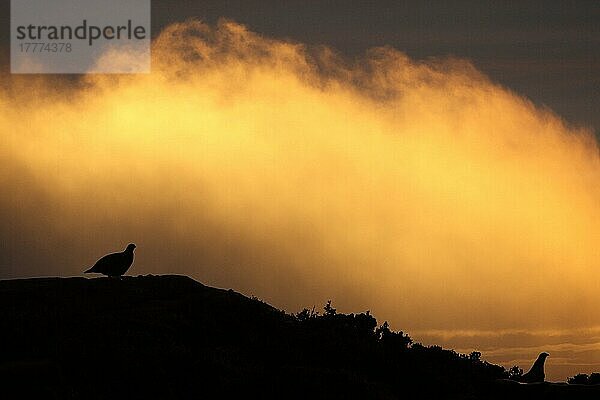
(172, 337)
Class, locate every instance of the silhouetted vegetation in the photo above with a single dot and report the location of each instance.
(171, 337)
(515, 373)
(585, 379)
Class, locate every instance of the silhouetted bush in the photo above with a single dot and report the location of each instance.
(594, 378)
(391, 339)
(329, 310)
(585, 379)
(355, 342)
(579, 379)
(515, 373)
(307, 314)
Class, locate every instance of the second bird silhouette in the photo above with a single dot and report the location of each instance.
(115, 264)
(536, 373)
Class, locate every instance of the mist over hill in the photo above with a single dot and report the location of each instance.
(172, 337)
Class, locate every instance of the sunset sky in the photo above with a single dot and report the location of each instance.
(437, 165)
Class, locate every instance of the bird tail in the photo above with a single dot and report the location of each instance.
(89, 270)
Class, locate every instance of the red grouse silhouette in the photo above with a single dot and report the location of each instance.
(115, 264)
(536, 373)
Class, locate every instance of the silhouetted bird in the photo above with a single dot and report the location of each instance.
(115, 264)
(536, 373)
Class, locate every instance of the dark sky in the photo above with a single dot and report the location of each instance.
(546, 50)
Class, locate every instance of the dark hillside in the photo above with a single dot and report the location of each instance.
(172, 337)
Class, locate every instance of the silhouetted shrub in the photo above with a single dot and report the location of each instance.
(515, 372)
(389, 338)
(594, 379)
(329, 310)
(307, 314)
(579, 379)
(585, 379)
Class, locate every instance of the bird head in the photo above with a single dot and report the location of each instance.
(130, 247)
(543, 355)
